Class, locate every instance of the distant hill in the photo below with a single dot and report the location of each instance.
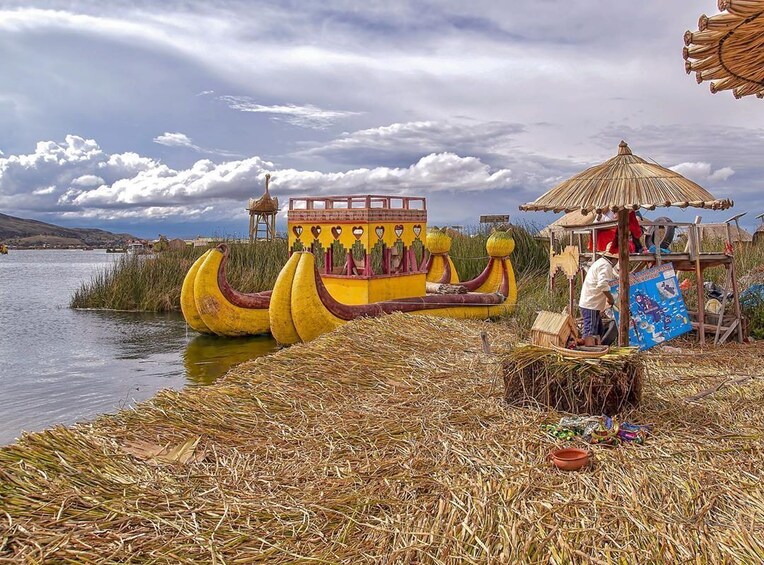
(18, 232)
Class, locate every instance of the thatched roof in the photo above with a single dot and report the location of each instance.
(266, 203)
(625, 181)
(553, 323)
(720, 232)
(728, 48)
(571, 219)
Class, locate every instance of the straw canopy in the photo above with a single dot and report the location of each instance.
(625, 182)
(571, 219)
(728, 48)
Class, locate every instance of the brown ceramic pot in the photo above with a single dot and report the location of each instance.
(570, 458)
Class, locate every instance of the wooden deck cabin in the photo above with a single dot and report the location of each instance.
(369, 248)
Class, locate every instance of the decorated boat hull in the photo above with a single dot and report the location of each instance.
(210, 305)
(376, 257)
(302, 308)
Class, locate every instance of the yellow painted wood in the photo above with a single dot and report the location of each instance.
(329, 232)
(187, 302)
(365, 291)
(280, 309)
(219, 315)
(438, 267)
(310, 317)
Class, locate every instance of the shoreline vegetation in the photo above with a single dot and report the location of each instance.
(153, 283)
(406, 455)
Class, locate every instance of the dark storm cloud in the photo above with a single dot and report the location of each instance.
(479, 105)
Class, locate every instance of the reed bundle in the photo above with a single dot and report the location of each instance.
(389, 441)
(728, 49)
(536, 376)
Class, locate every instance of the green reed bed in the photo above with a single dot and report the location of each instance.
(409, 455)
(152, 283)
(531, 255)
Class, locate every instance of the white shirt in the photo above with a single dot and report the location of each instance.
(598, 280)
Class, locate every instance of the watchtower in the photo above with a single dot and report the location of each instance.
(262, 215)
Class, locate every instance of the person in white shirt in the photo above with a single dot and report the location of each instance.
(595, 293)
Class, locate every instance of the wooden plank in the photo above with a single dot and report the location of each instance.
(699, 285)
(494, 219)
(623, 277)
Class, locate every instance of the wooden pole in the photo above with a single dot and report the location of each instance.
(623, 277)
(733, 276)
(699, 285)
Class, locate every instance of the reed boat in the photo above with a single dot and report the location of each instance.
(351, 256)
(210, 305)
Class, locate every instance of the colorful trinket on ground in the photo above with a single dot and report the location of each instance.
(597, 430)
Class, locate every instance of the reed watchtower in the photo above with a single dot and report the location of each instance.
(262, 215)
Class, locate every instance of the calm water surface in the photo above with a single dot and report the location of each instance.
(60, 366)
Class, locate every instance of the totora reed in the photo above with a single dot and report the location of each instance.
(389, 441)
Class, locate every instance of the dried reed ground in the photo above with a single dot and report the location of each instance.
(387, 441)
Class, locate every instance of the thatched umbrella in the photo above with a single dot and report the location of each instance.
(620, 184)
(728, 48)
(571, 219)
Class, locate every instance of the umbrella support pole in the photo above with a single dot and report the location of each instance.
(623, 277)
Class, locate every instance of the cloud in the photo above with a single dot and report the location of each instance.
(87, 180)
(701, 172)
(405, 140)
(176, 140)
(26, 180)
(78, 177)
(307, 116)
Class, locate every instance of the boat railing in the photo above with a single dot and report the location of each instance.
(358, 202)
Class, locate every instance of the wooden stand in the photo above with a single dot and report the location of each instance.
(691, 260)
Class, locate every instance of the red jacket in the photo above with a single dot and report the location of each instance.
(607, 240)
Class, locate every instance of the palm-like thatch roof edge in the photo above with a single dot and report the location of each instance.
(625, 181)
(728, 48)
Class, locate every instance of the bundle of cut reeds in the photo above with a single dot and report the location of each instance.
(608, 384)
(388, 441)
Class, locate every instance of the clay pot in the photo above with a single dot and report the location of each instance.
(570, 458)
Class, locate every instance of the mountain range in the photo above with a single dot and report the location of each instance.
(23, 233)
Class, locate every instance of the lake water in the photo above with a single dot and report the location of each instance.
(59, 366)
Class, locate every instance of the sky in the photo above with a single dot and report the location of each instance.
(164, 117)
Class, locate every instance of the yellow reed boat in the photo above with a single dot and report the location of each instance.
(210, 305)
(351, 256)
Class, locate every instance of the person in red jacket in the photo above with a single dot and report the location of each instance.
(607, 240)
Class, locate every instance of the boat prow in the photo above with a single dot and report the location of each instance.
(218, 308)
